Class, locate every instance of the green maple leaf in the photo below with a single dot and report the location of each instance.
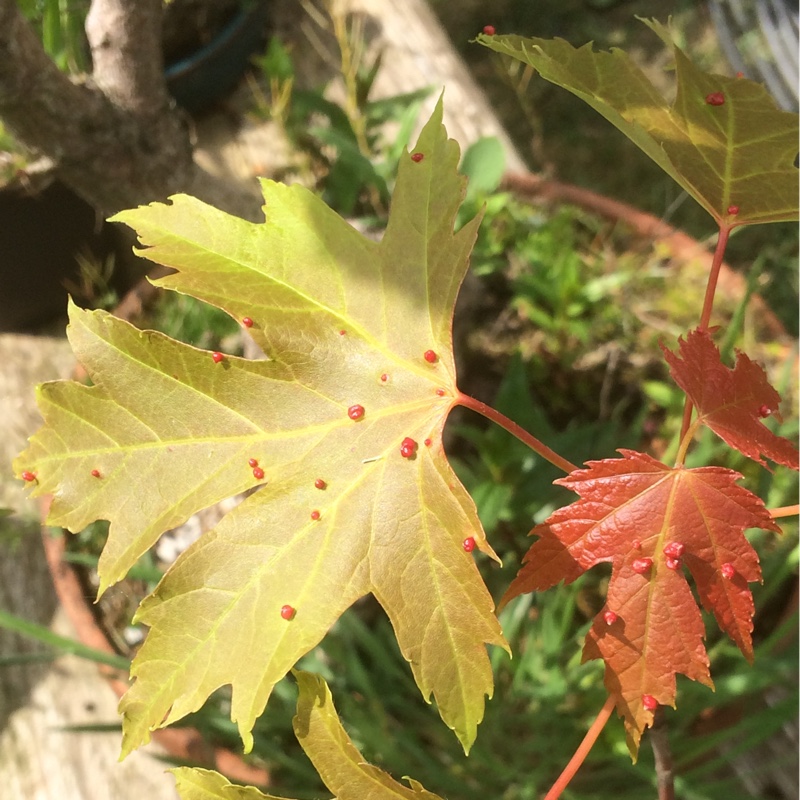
(326, 743)
(165, 431)
(738, 152)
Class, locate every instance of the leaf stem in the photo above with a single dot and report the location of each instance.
(708, 304)
(504, 422)
(784, 511)
(583, 750)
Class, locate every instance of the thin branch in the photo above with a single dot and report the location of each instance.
(659, 741)
(504, 422)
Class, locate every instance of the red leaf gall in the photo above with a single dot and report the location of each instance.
(649, 702)
(253, 462)
(315, 514)
(384, 378)
(247, 322)
(673, 563)
(217, 357)
(733, 210)
(258, 473)
(440, 392)
(95, 473)
(468, 544)
(417, 157)
(408, 447)
(764, 411)
(715, 99)
(610, 617)
(642, 565)
(319, 483)
(342, 333)
(287, 612)
(428, 442)
(430, 356)
(636, 544)
(28, 476)
(728, 571)
(489, 30)
(355, 412)
(674, 549)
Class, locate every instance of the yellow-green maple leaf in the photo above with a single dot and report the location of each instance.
(326, 743)
(739, 152)
(344, 321)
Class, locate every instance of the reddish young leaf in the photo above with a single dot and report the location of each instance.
(732, 402)
(657, 630)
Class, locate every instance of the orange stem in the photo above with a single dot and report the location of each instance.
(504, 422)
(583, 750)
(708, 304)
(784, 511)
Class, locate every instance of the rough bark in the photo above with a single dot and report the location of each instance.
(115, 137)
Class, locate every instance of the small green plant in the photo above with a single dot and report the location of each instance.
(336, 437)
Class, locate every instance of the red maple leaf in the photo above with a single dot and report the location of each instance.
(650, 521)
(732, 402)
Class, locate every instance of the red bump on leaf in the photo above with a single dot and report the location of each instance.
(489, 30)
(28, 476)
(649, 702)
(287, 612)
(428, 442)
(610, 617)
(417, 157)
(740, 74)
(673, 563)
(342, 333)
(728, 571)
(408, 447)
(247, 322)
(468, 544)
(384, 378)
(715, 99)
(315, 514)
(440, 392)
(355, 412)
(217, 357)
(430, 356)
(253, 462)
(636, 544)
(642, 565)
(319, 483)
(733, 210)
(674, 549)
(764, 411)
(95, 473)
(258, 473)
